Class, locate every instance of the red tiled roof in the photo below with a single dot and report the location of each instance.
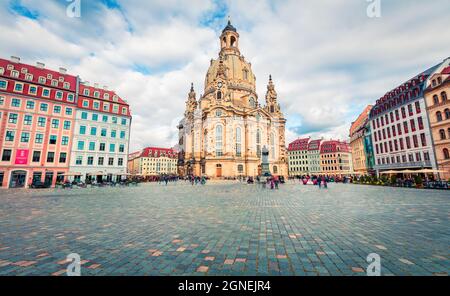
(158, 152)
(314, 145)
(299, 145)
(334, 146)
(446, 70)
(38, 72)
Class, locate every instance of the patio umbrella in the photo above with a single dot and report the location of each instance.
(390, 172)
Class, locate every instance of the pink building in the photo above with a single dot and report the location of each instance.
(37, 115)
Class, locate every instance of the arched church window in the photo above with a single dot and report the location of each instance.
(218, 113)
(258, 143)
(219, 95)
(238, 142)
(272, 109)
(219, 140)
(240, 169)
(233, 41)
(245, 74)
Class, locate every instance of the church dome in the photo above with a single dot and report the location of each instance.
(229, 27)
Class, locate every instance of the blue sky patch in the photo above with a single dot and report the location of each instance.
(16, 7)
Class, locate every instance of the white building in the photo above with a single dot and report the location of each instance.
(314, 157)
(400, 128)
(101, 135)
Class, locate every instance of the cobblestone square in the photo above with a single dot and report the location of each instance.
(225, 229)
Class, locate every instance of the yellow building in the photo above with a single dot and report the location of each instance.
(223, 133)
(357, 138)
(438, 107)
(153, 162)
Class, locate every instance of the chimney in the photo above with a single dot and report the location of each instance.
(40, 65)
(62, 70)
(15, 59)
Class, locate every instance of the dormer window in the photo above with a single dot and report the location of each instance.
(2, 70)
(433, 82)
(42, 79)
(15, 74)
(24, 70)
(115, 98)
(66, 85)
(61, 79)
(86, 92)
(29, 77)
(49, 76)
(439, 80)
(54, 82)
(96, 94)
(10, 67)
(106, 96)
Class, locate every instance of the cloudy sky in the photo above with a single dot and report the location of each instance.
(327, 57)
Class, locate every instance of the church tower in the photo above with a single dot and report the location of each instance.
(229, 40)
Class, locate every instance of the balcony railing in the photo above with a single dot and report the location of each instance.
(405, 165)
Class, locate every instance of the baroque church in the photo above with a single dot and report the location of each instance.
(224, 132)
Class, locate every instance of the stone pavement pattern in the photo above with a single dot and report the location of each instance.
(225, 229)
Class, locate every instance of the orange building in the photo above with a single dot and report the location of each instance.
(335, 158)
(438, 107)
(357, 142)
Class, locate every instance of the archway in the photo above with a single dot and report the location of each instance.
(18, 179)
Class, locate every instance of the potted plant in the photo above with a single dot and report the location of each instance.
(419, 181)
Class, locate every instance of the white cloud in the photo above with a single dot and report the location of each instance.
(328, 59)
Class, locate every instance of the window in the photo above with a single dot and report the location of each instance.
(103, 132)
(413, 125)
(94, 117)
(219, 131)
(415, 141)
(112, 147)
(86, 92)
(410, 110)
(67, 125)
(124, 121)
(444, 96)
(442, 134)
(42, 79)
(439, 116)
(96, 105)
(82, 130)
(27, 120)
(6, 155)
(105, 107)
(50, 156)
(114, 119)
(446, 153)
(423, 139)
(80, 145)
(420, 122)
(62, 157)
(70, 98)
(59, 95)
(13, 118)
(122, 134)
(105, 118)
(405, 127)
(44, 107)
(3, 84)
(93, 131)
(69, 111)
(91, 146)
(46, 92)
(2, 100)
(15, 102)
(258, 143)
(102, 146)
(435, 99)
(90, 160)
(272, 145)
(124, 111)
(447, 113)
(120, 161)
(111, 161)
(84, 115)
(36, 156)
(96, 94)
(101, 160)
(53, 140)
(113, 133)
(65, 140)
(408, 143)
(18, 87)
(55, 123)
(57, 109)
(238, 142)
(25, 137)
(54, 82)
(403, 112)
(66, 85)
(39, 138)
(121, 148)
(41, 121)
(30, 105)
(79, 160)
